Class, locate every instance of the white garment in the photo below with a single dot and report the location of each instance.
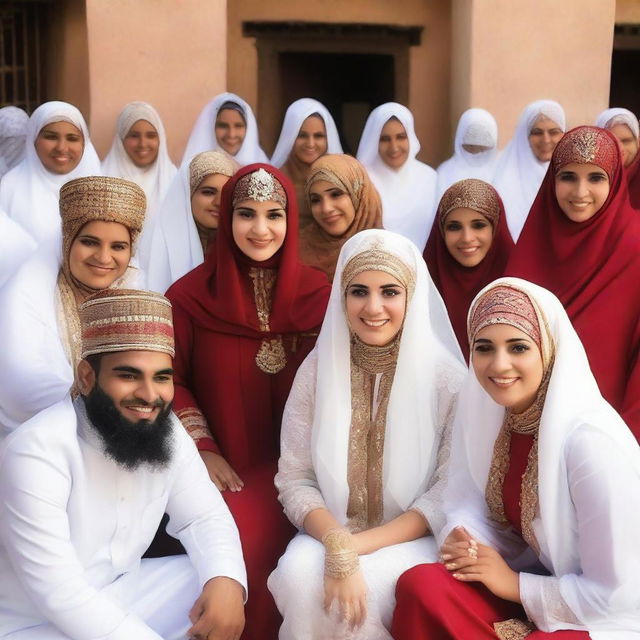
(13, 135)
(617, 115)
(477, 127)
(29, 193)
(295, 116)
(74, 523)
(408, 194)
(312, 471)
(588, 483)
(16, 245)
(203, 135)
(154, 180)
(519, 173)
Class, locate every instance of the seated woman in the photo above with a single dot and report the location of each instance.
(39, 324)
(582, 242)
(139, 153)
(541, 530)
(187, 222)
(468, 248)
(58, 149)
(524, 161)
(388, 149)
(365, 438)
(308, 132)
(226, 123)
(244, 321)
(343, 201)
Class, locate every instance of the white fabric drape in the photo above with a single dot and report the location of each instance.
(519, 173)
(16, 245)
(477, 127)
(588, 482)
(617, 115)
(203, 135)
(409, 193)
(296, 114)
(13, 135)
(29, 193)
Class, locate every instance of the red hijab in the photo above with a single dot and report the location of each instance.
(633, 177)
(592, 266)
(219, 295)
(457, 284)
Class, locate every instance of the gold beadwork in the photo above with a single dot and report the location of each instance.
(207, 163)
(514, 629)
(586, 145)
(260, 186)
(271, 357)
(340, 559)
(470, 194)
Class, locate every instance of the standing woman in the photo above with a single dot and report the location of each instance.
(58, 150)
(582, 241)
(226, 123)
(187, 223)
(541, 536)
(388, 149)
(524, 161)
(364, 441)
(308, 132)
(13, 137)
(244, 320)
(468, 248)
(343, 201)
(139, 153)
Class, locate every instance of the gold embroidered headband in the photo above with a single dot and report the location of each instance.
(470, 194)
(260, 186)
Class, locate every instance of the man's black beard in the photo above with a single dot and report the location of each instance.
(130, 444)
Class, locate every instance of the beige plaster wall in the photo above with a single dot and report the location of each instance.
(170, 53)
(627, 11)
(429, 62)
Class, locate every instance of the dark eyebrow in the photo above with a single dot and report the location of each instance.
(356, 284)
(485, 340)
(126, 369)
(519, 340)
(164, 372)
(392, 285)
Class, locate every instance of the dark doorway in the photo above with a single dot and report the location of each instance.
(348, 84)
(625, 62)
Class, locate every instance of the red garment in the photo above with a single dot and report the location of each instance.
(459, 285)
(218, 335)
(633, 178)
(594, 269)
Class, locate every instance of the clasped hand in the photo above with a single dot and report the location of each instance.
(350, 597)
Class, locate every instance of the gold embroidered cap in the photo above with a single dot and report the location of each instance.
(207, 163)
(587, 145)
(114, 320)
(470, 194)
(260, 186)
(102, 198)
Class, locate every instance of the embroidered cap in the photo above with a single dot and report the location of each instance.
(207, 163)
(470, 194)
(260, 186)
(587, 145)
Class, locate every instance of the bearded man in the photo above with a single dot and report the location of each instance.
(84, 485)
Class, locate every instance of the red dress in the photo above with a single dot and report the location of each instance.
(224, 394)
(432, 605)
(633, 177)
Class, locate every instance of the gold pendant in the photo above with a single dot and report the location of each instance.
(271, 357)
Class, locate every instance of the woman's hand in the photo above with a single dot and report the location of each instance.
(350, 597)
(220, 472)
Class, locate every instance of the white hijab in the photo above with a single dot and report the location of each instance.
(573, 401)
(409, 193)
(427, 344)
(617, 115)
(477, 127)
(519, 173)
(29, 193)
(13, 135)
(296, 114)
(203, 135)
(16, 245)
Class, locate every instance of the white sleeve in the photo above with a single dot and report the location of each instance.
(296, 480)
(34, 528)
(200, 518)
(604, 488)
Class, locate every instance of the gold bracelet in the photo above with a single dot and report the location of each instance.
(341, 559)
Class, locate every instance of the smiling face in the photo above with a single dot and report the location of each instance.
(259, 228)
(331, 207)
(468, 236)
(142, 143)
(581, 190)
(375, 304)
(393, 145)
(205, 201)
(508, 365)
(100, 253)
(543, 138)
(311, 142)
(628, 142)
(59, 147)
(230, 130)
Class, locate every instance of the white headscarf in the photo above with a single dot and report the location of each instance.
(409, 193)
(617, 115)
(427, 344)
(296, 114)
(13, 135)
(519, 173)
(477, 127)
(29, 193)
(203, 135)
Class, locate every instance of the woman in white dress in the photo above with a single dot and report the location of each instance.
(13, 136)
(388, 149)
(364, 443)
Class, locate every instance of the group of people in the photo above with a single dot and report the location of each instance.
(368, 399)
